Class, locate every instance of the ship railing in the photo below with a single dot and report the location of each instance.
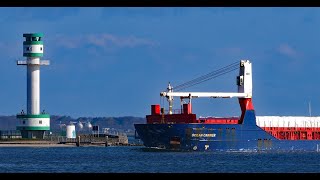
(174, 111)
(219, 117)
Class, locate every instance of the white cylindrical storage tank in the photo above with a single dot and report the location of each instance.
(88, 125)
(79, 126)
(71, 131)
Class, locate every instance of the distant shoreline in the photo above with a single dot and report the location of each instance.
(35, 145)
(22, 143)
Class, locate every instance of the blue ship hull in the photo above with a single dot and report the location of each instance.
(218, 137)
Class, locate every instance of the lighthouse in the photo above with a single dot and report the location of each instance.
(33, 123)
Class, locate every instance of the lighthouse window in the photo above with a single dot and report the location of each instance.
(40, 122)
(23, 122)
(40, 48)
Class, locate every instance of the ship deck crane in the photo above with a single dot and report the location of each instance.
(244, 82)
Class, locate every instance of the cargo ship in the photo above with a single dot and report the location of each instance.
(181, 129)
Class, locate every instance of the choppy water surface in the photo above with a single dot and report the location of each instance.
(135, 159)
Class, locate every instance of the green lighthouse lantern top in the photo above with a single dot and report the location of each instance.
(33, 45)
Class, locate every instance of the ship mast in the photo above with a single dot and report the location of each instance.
(170, 98)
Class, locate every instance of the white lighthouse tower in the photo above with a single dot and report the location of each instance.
(33, 123)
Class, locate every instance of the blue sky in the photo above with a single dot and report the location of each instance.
(115, 61)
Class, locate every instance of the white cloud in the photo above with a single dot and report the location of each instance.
(67, 41)
(287, 50)
(102, 40)
(109, 39)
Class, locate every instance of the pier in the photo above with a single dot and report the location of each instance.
(13, 139)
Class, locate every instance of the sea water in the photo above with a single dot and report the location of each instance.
(136, 159)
